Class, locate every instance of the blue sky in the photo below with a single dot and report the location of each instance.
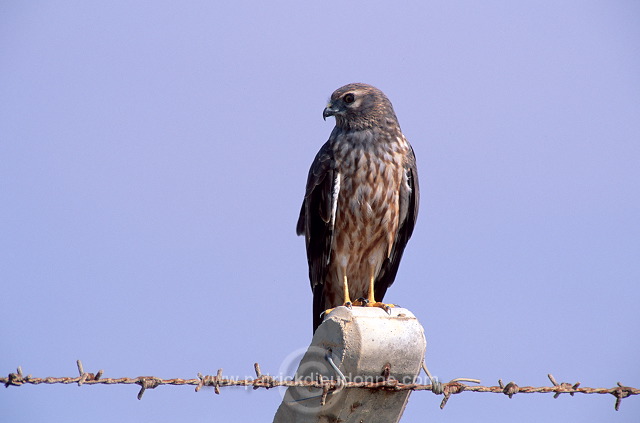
(153, 162)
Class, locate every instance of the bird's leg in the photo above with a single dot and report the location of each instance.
(347, 298)
(345, 286)
(371, 300)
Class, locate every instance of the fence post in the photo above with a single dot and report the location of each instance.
(364, 344)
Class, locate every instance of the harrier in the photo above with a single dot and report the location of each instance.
(361, 202)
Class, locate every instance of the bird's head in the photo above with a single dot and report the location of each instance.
(359, 106)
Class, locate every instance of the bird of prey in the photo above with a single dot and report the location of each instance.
(360, 204)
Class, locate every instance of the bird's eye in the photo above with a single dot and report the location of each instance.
(349, 98)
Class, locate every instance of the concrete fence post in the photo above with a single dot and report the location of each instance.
(365, 344)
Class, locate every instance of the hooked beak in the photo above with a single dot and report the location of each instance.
(330, 110)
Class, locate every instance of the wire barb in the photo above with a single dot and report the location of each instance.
(510, 389)
(87, 376)
(449, 389)
(453, 387)
(262, 381)
(147, 382)
(16, 379)
(565, 386)
(206, 380)
(326, 386)
(622, 392)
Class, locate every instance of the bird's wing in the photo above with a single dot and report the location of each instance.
(409, 200)
(317, 217)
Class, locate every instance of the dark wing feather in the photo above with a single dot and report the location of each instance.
(409, 202)
(316, 221)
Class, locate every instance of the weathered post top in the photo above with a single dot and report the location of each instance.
(367, 345)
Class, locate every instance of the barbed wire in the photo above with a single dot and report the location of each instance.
(328, 385)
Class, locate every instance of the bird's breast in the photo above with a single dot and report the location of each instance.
(367, 212)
